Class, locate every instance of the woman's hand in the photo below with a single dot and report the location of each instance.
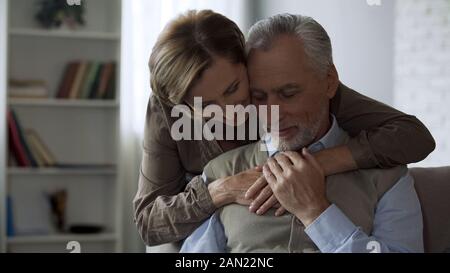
(232, 189)
(263, 198)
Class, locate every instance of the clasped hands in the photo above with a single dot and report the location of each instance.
(291, 181)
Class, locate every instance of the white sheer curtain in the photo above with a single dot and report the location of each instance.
(142, 21)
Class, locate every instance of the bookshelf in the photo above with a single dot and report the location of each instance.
(58, 171)
(62, 103)
(83, 133)
(65, 34)
(23, 240)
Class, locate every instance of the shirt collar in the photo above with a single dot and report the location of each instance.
(334, 137)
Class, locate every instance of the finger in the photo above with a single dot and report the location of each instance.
(274, 167)
(270, 178)
(256, 187)
(295, 157)
(270, 203)
(258, 168)
(311, 159)
(280, 211)
(283, 161)
(260, 199)
(252, 171)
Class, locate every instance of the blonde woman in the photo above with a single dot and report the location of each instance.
(202, 54)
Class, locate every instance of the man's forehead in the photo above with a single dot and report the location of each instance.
(280, 46)
(276, 59)
(267, 82)
(284, 62)
(272, 75)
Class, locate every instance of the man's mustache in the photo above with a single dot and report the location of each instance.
(281, 127)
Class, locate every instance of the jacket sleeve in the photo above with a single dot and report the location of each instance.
(381, 135)
(165, 208)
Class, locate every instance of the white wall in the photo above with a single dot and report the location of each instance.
(422, 69)
(362, 38)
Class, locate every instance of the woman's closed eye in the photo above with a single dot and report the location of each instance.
(232, 88)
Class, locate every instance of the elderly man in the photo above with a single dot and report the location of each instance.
(290, 65)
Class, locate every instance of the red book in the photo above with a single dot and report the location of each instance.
(111, 89)
(63, 81)
(15, 144)
(68, 79)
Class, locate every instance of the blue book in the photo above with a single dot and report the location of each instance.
(9, 218)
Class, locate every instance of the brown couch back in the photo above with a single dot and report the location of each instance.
(433, 189)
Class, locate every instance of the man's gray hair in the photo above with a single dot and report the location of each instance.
(316, 42)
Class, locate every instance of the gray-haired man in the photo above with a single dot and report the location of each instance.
(290, 64)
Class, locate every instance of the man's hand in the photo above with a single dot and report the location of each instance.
(232, 189)
(298, 182)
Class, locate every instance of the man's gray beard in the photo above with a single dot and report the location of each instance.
(305, 136)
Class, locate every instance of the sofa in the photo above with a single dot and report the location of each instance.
(433, 188)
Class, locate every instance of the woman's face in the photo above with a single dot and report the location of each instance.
(224, 83)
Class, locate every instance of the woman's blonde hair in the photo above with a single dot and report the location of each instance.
(186, 48)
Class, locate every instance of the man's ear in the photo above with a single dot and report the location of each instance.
(333, 81)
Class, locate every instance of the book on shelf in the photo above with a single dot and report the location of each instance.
(91, 93)
(26, 146)
(66, 81)
(27, 149)
(10, 231)
(111, 89)
(19, 142)
(41, 150)
(15, 145)
(77, 82)
(105, 80)
(37, 156)
(88, 80)
(27, 89)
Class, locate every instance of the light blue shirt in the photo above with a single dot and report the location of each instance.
(397, 225)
